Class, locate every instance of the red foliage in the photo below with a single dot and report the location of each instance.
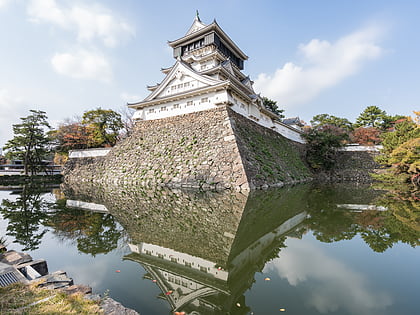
(366, 136)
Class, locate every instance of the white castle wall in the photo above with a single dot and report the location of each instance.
(209, 101)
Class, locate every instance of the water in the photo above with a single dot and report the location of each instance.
(302, 250)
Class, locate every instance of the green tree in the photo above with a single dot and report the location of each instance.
(322, 144)
(105, 125)
(272, 106)
(31, 142)
(326, 119)
(372, 116)
(401, 151)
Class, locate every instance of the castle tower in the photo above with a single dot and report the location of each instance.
(207, 74)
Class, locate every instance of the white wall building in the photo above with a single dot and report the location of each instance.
(207, 74)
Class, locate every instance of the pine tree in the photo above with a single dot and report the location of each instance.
(30, 143)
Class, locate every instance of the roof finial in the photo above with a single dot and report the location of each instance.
(197, 15)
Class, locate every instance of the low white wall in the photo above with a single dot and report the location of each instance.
(88, 153)
(356, 148)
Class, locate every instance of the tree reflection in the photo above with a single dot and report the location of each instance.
(26, 215)
(30, 215)
(379, 229)
(95, 233)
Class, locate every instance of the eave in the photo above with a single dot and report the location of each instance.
(230, 76)
(179, 96)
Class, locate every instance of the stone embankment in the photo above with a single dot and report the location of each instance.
(20, 267)
(353, 166)
(213, 149)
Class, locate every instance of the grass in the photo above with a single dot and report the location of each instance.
(18, 298)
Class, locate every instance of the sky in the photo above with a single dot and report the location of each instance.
(66, 57)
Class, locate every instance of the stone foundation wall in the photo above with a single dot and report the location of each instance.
(352, 166)
(213, 149)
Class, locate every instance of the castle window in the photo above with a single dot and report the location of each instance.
(203, 269)
(186, 84)
(188, 264)
(180, 86)
(151, 110)
(204, 100)
(173, 87)
(189, 103)
(176, 106)
(163, 109)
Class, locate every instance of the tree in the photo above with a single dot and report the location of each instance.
(272, 106)
(73, 136)
(401, 151)
(372, 116)
(105, 125)
(366, 136)
(30, 143)
(127, 120)
(322, 144)
(326, 119)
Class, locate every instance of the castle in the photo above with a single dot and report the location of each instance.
(207, 74)
(202, 127)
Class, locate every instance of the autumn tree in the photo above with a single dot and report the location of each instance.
(105, 126)
(72, 136)
(272, 106)
(401, 151)
(366, 136)
(31, 142)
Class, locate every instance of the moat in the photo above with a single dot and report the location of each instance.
(306, 249)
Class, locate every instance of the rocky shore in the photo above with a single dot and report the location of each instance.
(17, 267)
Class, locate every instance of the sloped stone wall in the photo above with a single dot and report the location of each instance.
(213, 149)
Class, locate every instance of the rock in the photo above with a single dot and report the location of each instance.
(112, 307)
(14, 258)
(77, 288)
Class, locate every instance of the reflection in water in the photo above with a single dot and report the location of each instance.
(198, 247)
(93, 232)
(203, 249)
(333, 284)
(26, 215)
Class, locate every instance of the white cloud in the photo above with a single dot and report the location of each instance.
(332, 285)
(83, 64)
(325, 64)
(89, 22)
(4, 3)
(129, 98)
(12, 107)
